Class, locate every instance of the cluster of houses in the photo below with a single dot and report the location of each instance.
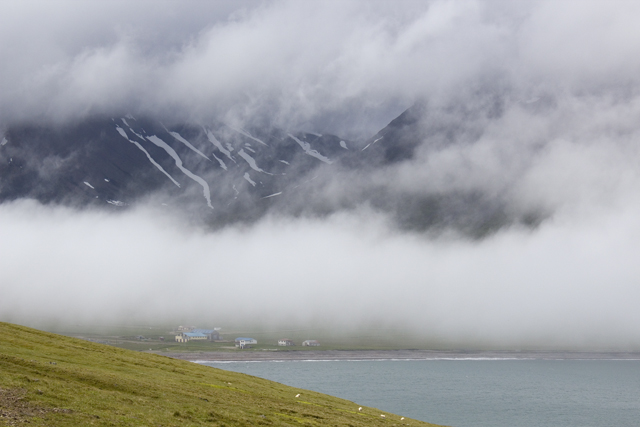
(191, 333)
(242, 342)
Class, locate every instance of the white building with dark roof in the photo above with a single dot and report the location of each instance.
(198, 335)
(242, 342)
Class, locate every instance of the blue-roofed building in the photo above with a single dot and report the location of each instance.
(212, 334)
(195, 336)
(198, 335)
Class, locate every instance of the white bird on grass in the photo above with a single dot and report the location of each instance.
(298, 395)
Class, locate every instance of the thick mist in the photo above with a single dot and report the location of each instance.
(530, 106)
(344, 67)
(570, 283)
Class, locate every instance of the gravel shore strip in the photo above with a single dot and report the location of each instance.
(254, 356)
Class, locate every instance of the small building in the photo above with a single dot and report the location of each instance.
(188, 334)
(195, 336)
(242, 342)
(285, 342)
(310, 343)
(212, 334)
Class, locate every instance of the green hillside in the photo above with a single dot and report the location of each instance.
(53, 380)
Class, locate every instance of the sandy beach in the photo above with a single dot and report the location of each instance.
(243, 355)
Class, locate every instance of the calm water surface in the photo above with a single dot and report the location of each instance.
(474, 393)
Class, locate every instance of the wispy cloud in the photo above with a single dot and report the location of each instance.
(338, 65)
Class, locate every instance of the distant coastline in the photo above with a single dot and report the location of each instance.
(331, 355)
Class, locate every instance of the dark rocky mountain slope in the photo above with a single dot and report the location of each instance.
(221, 174)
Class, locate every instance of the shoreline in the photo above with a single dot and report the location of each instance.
(357, 355)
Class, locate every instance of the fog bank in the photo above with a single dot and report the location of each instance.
(571, 283)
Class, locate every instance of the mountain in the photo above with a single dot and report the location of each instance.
(118, 161)
(220, 174)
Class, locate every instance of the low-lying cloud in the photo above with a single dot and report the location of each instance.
(571, 283)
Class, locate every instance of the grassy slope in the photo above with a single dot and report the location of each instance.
(49, 379)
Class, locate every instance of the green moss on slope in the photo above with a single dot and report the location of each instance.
(49, 379)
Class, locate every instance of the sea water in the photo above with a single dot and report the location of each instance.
(474, 393)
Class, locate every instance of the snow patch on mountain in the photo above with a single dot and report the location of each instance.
(371, 143)
(272, 195)
(137, 144)
(310, 151)
(89, 185)
(212, 138)
(222, 164)
(170, 151)
(344, 145)
(248, 178)
(3, 142)
(136, 133)
(122, 132)
(248, 135)
(251, 161)
(177, 136)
